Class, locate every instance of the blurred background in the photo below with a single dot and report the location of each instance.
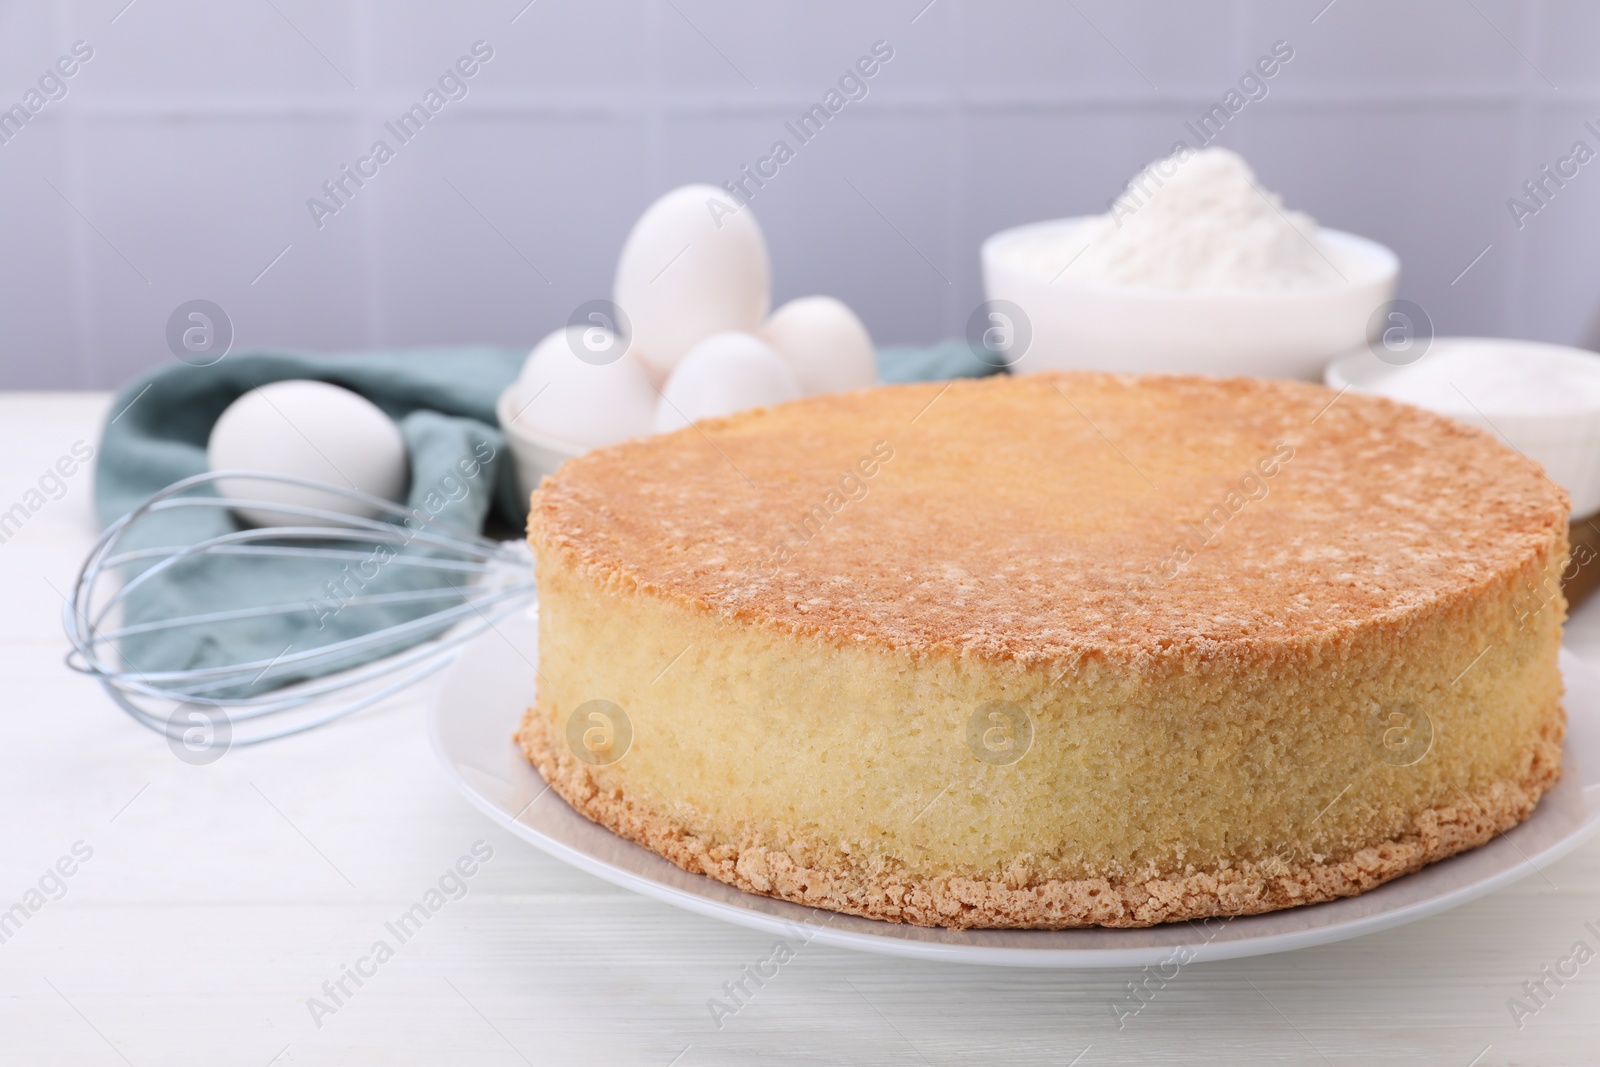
(176, 161)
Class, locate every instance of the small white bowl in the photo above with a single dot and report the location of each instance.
(1563, 438)
(534, 454)
(1273, 334)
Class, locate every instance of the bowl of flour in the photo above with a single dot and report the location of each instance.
(1196, 269)
(1541, 399)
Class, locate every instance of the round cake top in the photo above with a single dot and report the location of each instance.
(1057, 514)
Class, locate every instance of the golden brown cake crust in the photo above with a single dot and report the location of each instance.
(1260, 644)
(882, 892)
(990, 512)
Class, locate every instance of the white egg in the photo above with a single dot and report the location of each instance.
(308, 430)
(694, 264)
(827, 347)
(582, 386)
(726, 372)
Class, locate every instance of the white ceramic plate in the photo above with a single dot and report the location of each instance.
(483, 697)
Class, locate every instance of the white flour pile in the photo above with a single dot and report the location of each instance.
(1195, 221)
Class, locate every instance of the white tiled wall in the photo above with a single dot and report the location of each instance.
(180, 162)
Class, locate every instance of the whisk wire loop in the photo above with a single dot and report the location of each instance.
(440, 587)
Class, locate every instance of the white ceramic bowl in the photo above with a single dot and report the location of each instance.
(1565, 439)
(534, 454)
(1126, 328)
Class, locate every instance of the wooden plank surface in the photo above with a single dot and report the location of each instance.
(219, 899)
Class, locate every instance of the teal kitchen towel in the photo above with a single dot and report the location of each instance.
(461, 477)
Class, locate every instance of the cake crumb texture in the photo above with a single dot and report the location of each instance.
(894, 895)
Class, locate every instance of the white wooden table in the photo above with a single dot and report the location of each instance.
(219, 899)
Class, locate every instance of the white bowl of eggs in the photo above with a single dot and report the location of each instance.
(687, 336)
